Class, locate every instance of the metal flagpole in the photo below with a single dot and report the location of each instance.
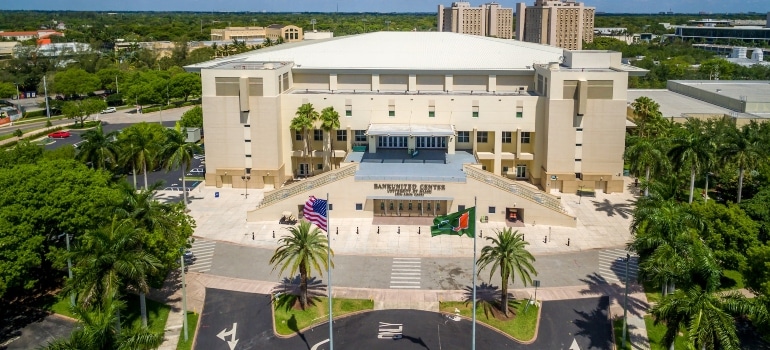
(473, 336)
(329, 271)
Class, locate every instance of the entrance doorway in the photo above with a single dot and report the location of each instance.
(514, 215)
(409, 207)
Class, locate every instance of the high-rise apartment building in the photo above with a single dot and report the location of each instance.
(564, 24)
(486, 20)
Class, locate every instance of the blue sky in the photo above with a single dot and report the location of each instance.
(634, 6)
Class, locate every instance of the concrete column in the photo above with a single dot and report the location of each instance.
(372, 144)
(411, 141)
(332, 82)
(492, 85)
(348, 143)
(375, 82)
(412, 82)
(450, 146)
(448, 82)
(518, 143)
(474, 141)
(496, 163)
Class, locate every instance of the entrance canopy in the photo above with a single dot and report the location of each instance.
(410, 130)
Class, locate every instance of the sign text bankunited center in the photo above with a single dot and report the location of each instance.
(414, 190)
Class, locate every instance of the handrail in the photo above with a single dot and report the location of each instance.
(542, 198)
(305, 185)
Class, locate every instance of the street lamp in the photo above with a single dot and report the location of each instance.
(69, 265)
(625, 306)
(246, 179)
(184, 296)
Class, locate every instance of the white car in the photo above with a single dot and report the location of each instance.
(109, 110)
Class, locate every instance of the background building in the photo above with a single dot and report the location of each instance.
(564, 24)
(486, 20)
(288, 33)
(238, 33)
(499, 126)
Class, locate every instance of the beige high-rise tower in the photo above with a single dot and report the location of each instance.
(564, 24)
(486, 20)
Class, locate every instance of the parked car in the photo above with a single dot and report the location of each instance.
(59, 134)
(109, 110)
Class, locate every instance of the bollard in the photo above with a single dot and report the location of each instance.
(273, 234)
(418, 230)
(378, 230)
(567, 242)
(545, 239)
(356, 229)
(399, 230)
(481, 233)
(338, 231)
(252, 236)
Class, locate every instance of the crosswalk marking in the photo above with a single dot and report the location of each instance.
(612, 265)
(405, 273)
(204, 255)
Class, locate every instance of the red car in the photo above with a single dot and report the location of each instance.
(59, 135)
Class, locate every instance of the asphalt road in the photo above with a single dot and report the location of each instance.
(560, 270)
(247, 318)
(40, 333)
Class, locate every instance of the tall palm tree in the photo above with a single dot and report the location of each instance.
(303, 251)
(743, 147)
(140, 144)
(508, 253)
(177, 152)
(692, 149)
(330, 121)
(98, 329)
(99, 150)
(303, 122)
(110, 259)
(646, 154)
(708, 317)
(646, 112)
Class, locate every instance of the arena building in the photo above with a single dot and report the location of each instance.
(428, 121)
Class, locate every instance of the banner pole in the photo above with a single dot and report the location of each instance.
(329, 271)
(473, 336)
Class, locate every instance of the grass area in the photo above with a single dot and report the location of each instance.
(192, 324)
(521, 327)
(730, 280)
(617, 327)
(656, 332)
(157, 313)
(195, 178)
(290, 321)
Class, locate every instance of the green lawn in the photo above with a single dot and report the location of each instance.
(288, 322)
(192, 323)
(656, 333)
(521, 327)
(730, 280)
(157, 313)
(617, 326)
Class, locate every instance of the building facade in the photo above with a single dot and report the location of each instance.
(486, 20)
(426, 123)
(287, 33)
(566, 24)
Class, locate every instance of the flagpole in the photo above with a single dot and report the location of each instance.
(329, 271)
(473, 336)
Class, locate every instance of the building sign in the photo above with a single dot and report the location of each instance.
(413, 190)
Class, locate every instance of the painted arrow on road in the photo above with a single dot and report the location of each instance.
(574, 345)
(224, 333)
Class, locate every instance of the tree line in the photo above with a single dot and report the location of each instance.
(687, 235)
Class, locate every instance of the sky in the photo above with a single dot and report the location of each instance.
(611, 6)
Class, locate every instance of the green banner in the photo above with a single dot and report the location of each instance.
(460, 223)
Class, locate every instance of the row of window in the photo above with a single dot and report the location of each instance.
(462, 136)
(432, 111)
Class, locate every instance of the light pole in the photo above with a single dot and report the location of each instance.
(246, 179)
(625, 306)
(69, 264)
(387, 25)
(184, 297)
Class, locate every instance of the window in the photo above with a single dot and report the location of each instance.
(579, 129)
(342, 135)
(578, 160)
(248, 140)
(360, 206)
(391, 110)
(431, 111)
(319, 166)
(506, 137)
(492, 210)
(248, 156)
(521, 171)
(475, 112)
(285, 81)
(348, 110)
(525, 137)
(519, 112)
(482, 136)
(318, 135)
(330, 206)
(460, 207)
(464, 136)
(360, 135)
(297, 135)
(255, 87)
(226, 86)
(505, 170)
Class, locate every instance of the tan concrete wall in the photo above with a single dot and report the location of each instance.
(344, 194)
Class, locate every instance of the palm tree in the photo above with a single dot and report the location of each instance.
(140, 147)
(646, 112)
(330, 121)
(743, 147)
(179, 153)
(108, 260)
(99, 150)
(99, 329)
(693, 149)
(507, 252)
(303, 250)
(304, 122)
(646, 155)
(706, 315)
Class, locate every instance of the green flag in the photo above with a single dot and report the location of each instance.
(460, 223)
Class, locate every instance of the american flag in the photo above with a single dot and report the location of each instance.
(315, 212)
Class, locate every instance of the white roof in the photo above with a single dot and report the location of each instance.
(403, 51)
